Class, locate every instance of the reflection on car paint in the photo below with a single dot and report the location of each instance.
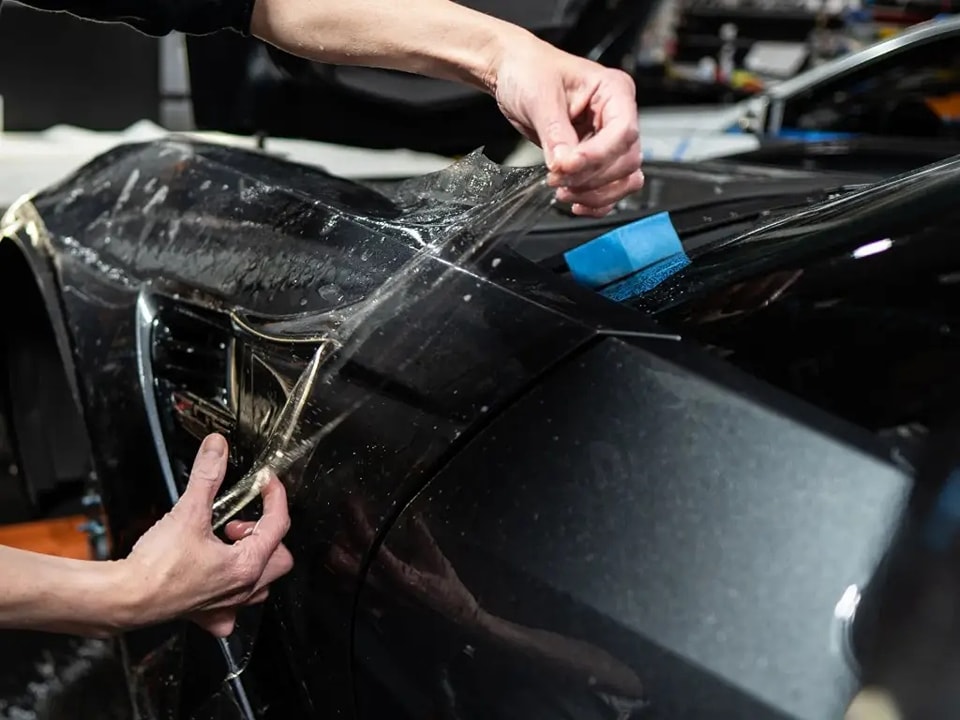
(532, 455)
(420, 573)
(165, 249)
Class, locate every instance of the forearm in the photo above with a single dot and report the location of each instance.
(437, 38)
(54, 594)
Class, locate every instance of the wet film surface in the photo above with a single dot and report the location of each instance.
(307, 273)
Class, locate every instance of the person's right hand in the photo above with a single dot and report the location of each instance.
(179, 568)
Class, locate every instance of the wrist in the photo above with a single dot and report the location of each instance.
(436, 38)
(125, 596)
(472, 48)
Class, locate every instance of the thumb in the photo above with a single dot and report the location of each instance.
(219, 622)
(555, 131)
(209, 467)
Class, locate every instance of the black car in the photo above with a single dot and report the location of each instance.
(517, 489)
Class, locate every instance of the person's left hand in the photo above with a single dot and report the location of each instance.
(180, 568)
(582, 114)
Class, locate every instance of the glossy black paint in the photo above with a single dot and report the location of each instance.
(856, 301)
(742, 523)
(706, 200)
(626, 525)
(873, 155)
(227, 250)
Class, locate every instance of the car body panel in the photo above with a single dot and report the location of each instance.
(175, 330)
(615, 468)
(599, 482)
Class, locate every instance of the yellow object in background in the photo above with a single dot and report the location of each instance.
(744, 80)
(947, 107)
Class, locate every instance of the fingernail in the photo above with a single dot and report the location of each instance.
(213, 446)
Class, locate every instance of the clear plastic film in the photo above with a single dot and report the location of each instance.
(317, 262)
(456, 216)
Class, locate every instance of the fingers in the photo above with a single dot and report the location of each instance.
(622, 166)
(554, 129)
(604, 167)
(219, 622)
(608, 195)
(206, 476)
(257, 548)
(279, 564)
(617, 128)
(259, 597)
(238, 529)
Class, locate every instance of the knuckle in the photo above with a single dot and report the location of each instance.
(245, 573)
(553, 131)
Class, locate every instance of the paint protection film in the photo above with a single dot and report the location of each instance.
(340, 334)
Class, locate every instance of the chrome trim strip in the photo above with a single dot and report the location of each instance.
(146, 319)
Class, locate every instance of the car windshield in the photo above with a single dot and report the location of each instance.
(848, 222)
(852, 304)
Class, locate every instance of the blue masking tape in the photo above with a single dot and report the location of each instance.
(647, 279)
(624, 251)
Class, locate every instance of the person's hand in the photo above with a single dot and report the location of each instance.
(179, 568)
(582, 114)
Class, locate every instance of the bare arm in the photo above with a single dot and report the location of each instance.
(55, 594)
(584, 116)
(178, 568)
(437, 38)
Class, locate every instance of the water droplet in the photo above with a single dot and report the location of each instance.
(330, 292)
(496, 262)
(303, 301)
(468, 297)
(484, 409)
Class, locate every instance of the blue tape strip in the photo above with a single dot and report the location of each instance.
(624, 251)
(646, 280)
(681, 149)
(814, 135)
